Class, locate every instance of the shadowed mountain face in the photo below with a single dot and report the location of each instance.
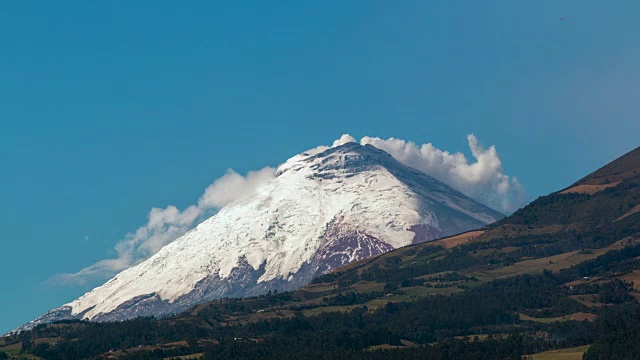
(602, 198)
(584, 215)
(323, 210)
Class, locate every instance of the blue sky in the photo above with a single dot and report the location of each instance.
(107, 110)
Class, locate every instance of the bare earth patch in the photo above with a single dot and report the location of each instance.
(458, 239)
(589, 189)
(562, 354)
(634, 210)
(192, 356)
(633, 276)
(579, 316)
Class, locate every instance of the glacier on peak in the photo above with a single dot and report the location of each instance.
(324, 208)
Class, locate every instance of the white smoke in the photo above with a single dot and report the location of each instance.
(483, 180)
(167, 224)
(345, 138)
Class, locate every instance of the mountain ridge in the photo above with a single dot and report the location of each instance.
(624, 164)
(325, 208)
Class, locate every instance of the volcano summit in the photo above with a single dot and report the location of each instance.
(324, 209)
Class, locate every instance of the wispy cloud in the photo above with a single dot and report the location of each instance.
(167, 224)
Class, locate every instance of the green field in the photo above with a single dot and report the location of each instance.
(13, 351)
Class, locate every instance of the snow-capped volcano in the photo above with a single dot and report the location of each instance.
(324, 209)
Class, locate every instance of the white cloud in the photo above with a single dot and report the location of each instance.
(345, 138)
(483, 179)
(233, 186)
(167, 224)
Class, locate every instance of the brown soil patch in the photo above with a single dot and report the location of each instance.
(633, 276)
(175, 344)
(561, 354)
(614, 177)
(583, 316)
(515, 230)
(382, 347)
(407, 343)
(458, 239)
(579, 316)
(629, 213)
(590, 189)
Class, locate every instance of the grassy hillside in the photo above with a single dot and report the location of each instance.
(555, 275)
(621, 168)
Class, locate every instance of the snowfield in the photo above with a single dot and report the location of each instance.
(324, 209)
